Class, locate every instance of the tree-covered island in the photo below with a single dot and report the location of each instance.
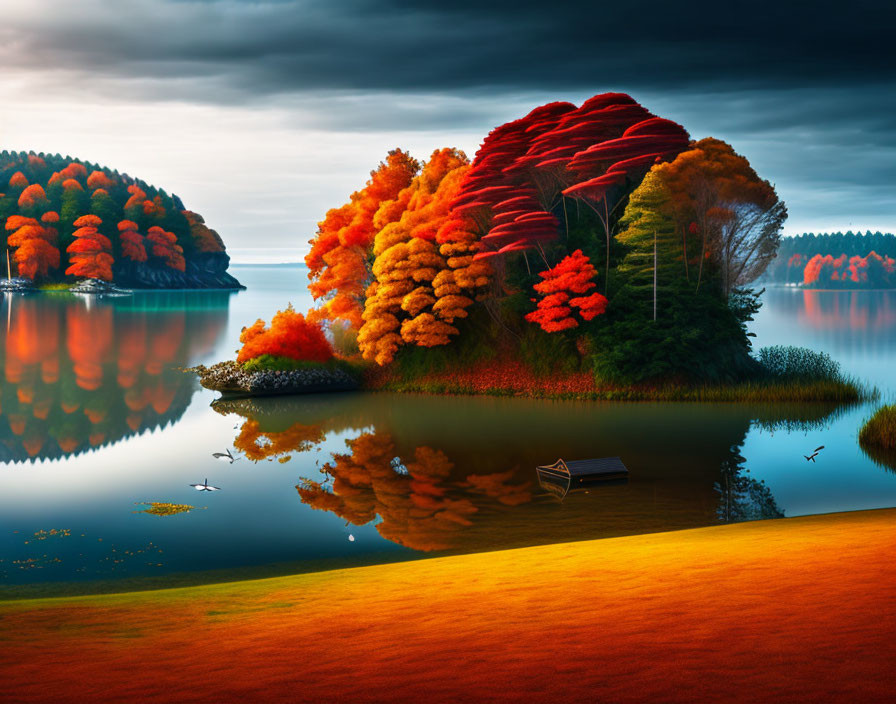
(593, 251)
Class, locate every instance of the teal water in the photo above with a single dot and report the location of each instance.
(96, 419)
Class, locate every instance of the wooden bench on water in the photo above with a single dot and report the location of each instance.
(562, 477)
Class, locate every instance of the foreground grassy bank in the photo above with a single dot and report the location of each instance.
(785, 610)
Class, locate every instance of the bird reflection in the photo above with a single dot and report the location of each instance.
(205, 487)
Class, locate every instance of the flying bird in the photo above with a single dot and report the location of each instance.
(205, 487)
(814, 453)
(224, 456)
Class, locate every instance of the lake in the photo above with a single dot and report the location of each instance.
(97, 422)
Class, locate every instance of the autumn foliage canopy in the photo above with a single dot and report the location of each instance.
(134, 229)
(503, 251)
(290, 335)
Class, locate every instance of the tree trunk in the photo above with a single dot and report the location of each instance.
(607, 230)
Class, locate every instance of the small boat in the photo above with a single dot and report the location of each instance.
(562, 477)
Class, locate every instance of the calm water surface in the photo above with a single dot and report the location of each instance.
(96, 421)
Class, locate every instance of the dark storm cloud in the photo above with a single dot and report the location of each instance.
(808, 94)
(265, 48)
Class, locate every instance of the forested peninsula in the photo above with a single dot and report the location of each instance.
(68, 220)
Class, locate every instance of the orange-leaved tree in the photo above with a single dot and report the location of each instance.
(290, 335)
(75, 171)
(402, 305)
(99, 179)
(90, 253)
(18, 180)
(564, 290)
(339, 260)
(738, 215)
(36, 253)
(204, 238)
(33, 199)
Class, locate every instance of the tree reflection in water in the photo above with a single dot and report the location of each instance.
(81, 373)
(742, 498)
(457, 474)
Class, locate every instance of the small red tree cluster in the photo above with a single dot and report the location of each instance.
(563, 290)
(91, 251)
(872, 270)
(290, 335)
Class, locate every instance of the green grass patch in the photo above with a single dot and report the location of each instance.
(267, 362)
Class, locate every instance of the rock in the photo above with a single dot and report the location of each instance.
(206, 270)
(232, 381)
(17, 284)
(96, 286)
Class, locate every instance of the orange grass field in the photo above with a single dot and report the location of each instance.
(794, 610)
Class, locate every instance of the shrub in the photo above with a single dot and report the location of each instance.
(270, 363)
(878, 437)
(797, 363)
(290, 335)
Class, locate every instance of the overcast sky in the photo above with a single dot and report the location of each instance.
(262, 115)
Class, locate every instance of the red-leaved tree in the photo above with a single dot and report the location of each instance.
(564, 290)
(90, 253)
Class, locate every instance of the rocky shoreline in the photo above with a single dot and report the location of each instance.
(229, 379)
(100, 287)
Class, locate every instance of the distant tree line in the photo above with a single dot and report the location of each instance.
(838, 259)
